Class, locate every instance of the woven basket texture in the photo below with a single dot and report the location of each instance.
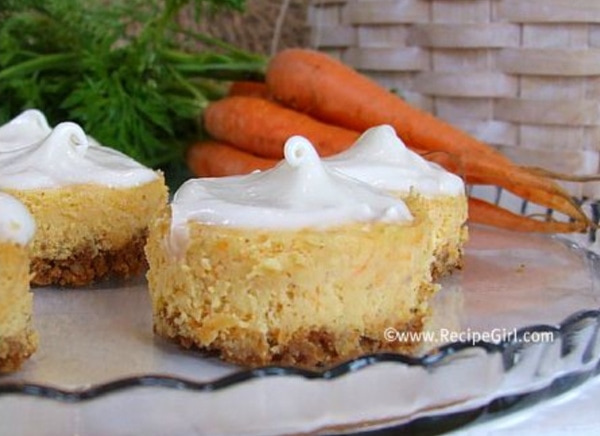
(256, 28)
(522, 75)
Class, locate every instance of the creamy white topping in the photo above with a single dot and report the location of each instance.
(27, 128)
(67, 156)
(16, 223)
(299, 192)
(381, 159)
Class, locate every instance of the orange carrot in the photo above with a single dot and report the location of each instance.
(537, 190)
(261, 127)
(214, 159)
(515, 179)
(483, 212)
(247, 88)
(325, 88)
(543, 172)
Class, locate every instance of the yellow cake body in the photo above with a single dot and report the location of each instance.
(380, 159)
(448, 219)
(88, 232)
(303, 298)
(18, 339)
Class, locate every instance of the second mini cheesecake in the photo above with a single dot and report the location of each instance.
(92, 204)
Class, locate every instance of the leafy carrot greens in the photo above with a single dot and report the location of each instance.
(128, 71)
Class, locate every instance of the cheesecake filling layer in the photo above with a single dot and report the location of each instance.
(381, 159)
(18, 340)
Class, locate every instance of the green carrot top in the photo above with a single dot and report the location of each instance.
(128, 71)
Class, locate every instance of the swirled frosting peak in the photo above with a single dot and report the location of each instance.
(16, 223)
(67, 156)
(299, 192)
(27, 128)
(381, 159)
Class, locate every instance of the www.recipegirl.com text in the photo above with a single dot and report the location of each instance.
(444, 336)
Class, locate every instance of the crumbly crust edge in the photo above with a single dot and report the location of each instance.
(449, 257)
(88, 265)
(308, 348)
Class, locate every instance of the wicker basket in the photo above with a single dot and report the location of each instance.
(523, 75)
(264, 26)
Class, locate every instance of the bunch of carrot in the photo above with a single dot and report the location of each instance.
(308, 93)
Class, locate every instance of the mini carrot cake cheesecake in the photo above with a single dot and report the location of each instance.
(297, 265)
(92, 206)
(18, 339)
(381, 159)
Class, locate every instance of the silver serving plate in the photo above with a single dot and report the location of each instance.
(100, 370)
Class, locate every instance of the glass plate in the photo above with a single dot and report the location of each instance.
(519, 324)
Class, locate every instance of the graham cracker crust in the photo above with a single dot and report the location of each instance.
(14, 350)
(306, 348)
(448, 259)
(88, 265)
(450, 256)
